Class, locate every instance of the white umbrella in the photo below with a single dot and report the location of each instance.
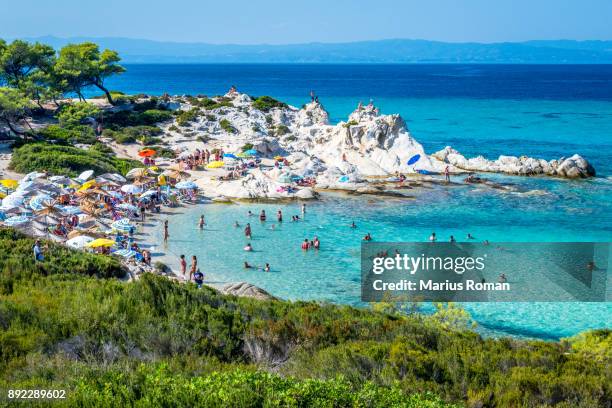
(16, 220)
(12, 201)
(131, 189)
(126, 253)
(38, 203)
(84, 176)
(33, 175)
(61, 180)
(79, 242)
(118, 178)
(186, 185)
(122, 225)
(126, 206)
(71, 209)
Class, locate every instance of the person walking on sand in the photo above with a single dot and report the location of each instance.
(183, 265)
(194, 266)
(166, 234)
(247, 231)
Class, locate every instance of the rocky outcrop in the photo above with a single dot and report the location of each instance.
(573, 167)
(245, 289)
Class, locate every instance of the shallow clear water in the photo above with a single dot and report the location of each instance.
(543, 111)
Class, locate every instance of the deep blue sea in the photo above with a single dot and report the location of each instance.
(546, 111)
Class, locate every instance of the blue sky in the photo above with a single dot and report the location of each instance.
(286, 21)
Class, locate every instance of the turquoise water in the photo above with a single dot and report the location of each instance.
(546, 111)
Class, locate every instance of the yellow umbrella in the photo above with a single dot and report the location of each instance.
(87, 185)
(8, 183)
(215, 165)
(278, 158)
(100, 242)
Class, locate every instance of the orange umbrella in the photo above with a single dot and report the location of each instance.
(146, 153)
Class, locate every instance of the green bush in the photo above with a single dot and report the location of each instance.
(121, 119)
(281, 130)
(66, 160)
(74, 114)
(131, 134)
(246, 146)
(186, 117)
(75, 134)
(226, 125)
(266, 103)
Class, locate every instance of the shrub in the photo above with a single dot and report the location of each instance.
(350, 123)
(281, 130)
(74, 114)
(75, 134)
(266, 103)
(186, 117)
(120, 119)
(66, 160)
(226, 125)
(247, 146)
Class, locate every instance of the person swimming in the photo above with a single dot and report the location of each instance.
(246, 265)
(353, 225)
(247, 230)
(236, 225)
(367, 237)
(248, 247)
(267, 268)
(262, 215)
(432, 237)
(452, 239)
(249, 213)
(470, 236)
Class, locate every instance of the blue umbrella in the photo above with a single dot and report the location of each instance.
(414, 159)
(186, 185)
(230, 155)
(251, 152)
(122, 225)
(126, 253)
(16, 220)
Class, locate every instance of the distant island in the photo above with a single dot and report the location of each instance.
(389, 51)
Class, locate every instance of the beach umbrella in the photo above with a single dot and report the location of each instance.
(278, 158)
(62, 180)
(230, 155)
(343, 179)
(250, 152)
(84, 176)
(115, 194)
(284, 178)
(79, 241)
(16, 220)
(413, 159)
(38, 203)
(128, 207)
(131, 189)
(117, 178)
(184, 154)
(215, 165)
(122, 225)
(12, 200)
(147, 153)
(176, 173)
(8, 183)
(71, 209)
(186, 185)
(87, 185)
(32, 176)
(100, 242)
(137, 172)
(126, 253)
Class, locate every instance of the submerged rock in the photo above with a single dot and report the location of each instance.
(245, 289)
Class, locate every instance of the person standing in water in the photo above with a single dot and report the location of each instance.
(166, 234)
(267, 268)
(279, 216)
(201, 222)
(247, 231)
(194, 266)
(305, 244)
(183, 265)
(316, 243)
(303, 209)
(262, 215)
(353, 225)
(447, 174)
(432, 237)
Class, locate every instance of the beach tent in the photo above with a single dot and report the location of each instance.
(131, 189)
(100, 242)
(79, 241)
(186, 185)
(215, 165)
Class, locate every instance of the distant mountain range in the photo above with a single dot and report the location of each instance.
(382, 51)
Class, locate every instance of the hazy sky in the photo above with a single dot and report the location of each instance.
(287, 21)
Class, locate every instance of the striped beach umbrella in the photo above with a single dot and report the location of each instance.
(16, 220)
(186, 185)
(122, 225)
(126, 253)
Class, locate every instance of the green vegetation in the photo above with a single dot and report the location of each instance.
(126, 118)
(74, 114)
(350, 123)
(281, 130)
(66, 160)
(210, 104)
(157, 342)
(246, 146)
(184, 118)
(265, 103)
(76, 134)
(147, 135)
(227, 126)
(14, 108)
